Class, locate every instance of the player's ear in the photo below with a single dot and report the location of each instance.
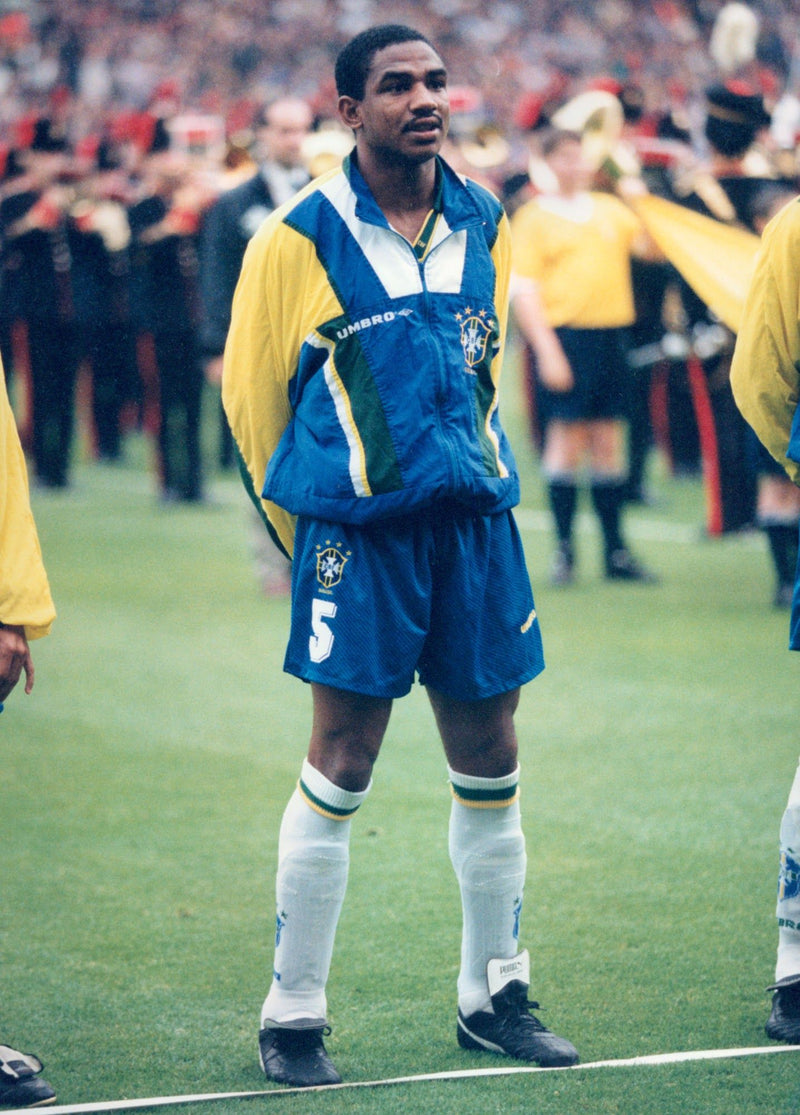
(350, 112)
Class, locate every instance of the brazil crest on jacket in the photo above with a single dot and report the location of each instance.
(361, 372)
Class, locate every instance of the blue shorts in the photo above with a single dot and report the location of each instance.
(600, 373)
(440, 593)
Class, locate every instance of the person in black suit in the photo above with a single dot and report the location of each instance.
(38, 297)
(100, 242)
(164, 223)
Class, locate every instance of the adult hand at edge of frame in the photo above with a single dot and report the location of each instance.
(15, 656)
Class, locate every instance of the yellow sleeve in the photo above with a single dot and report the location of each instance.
(283, 291)
(25, 599)
(501, 253)
(764, 374)
(257, 368)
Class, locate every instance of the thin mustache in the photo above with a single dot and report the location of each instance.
(433, 118)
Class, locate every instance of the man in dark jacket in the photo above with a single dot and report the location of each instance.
(164, 224)
(37, 297)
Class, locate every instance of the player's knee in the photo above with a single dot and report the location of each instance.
(346, 762)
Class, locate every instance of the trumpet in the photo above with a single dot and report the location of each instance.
(597, 116)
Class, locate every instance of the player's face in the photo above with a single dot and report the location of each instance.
(405, 111)
(570, 167)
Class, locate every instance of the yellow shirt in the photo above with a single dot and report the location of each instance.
(765, 372)
(25, 599)
(578, 253)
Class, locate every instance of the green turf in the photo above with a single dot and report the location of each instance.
(144, 779)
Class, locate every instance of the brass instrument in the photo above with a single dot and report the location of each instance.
(597, 116)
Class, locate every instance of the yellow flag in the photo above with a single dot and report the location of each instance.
(715, 259)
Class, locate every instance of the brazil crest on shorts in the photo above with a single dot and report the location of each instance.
(330, 564)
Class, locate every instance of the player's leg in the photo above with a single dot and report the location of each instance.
(608, 479)
(483, 644)
(313, 859)
(346, 735)
(606, 458)
(347, 582)
(783, 1023)
(567, 443)
(564, 448)
(487, 845)
(778, 516)
(487, 850)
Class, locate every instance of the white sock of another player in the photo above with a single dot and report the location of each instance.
(788, 910)
(487, 850)
(313, 860)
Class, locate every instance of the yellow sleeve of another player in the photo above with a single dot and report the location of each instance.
(764, 373)
(25, 599)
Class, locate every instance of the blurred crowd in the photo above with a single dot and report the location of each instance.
(123, 124)
(111, 57)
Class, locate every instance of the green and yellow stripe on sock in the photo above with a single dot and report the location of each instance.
(333, 812)
(485, 793)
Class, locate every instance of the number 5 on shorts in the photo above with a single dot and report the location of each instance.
(320, 642)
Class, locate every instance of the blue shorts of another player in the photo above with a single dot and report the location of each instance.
(441, 593)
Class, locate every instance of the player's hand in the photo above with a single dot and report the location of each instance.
(214, 370)
(14, 658)
(553, 368)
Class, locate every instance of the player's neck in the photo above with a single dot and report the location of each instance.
(404, 192)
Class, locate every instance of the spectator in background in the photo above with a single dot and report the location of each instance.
(100, 239)
(112, 55)
(165, 222)
(13, 180)
(38, 290)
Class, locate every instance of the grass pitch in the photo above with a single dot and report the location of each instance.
(144, 780)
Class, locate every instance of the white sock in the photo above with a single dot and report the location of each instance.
(788, 910)
(313, 859)
(487, 850)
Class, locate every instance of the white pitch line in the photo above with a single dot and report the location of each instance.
(456, 1074)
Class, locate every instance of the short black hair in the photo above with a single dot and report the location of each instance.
(355, 59)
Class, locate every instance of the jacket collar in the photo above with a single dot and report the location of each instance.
(453, 197)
